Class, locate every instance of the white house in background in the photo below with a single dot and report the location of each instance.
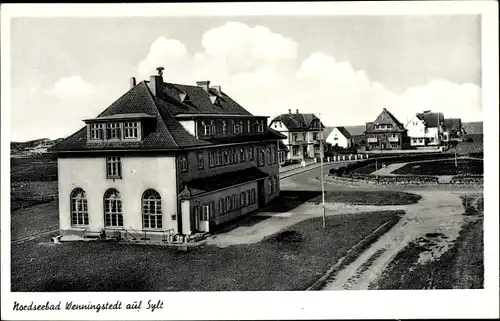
(340, 137)
(426, 129)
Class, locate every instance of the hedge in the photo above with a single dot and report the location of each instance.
(406, 179)
(468, 179)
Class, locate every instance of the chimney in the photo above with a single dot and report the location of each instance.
(289, 111)
(297, 111)
(156, 82)
(203, 84)
(132, 82)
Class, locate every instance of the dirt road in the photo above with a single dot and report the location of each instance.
(437, 212)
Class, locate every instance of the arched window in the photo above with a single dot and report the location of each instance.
(79, 210)
(151, 209)
(113, 215)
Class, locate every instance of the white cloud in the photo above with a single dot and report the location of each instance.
(259, 68)
(72, 88)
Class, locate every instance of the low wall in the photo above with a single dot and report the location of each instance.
(403, 180)
(467, 180)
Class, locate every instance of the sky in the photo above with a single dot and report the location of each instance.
(346, 68)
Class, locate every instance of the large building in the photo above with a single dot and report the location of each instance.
(166, 159)
(385, 133)
(426, 129)
(302, 134)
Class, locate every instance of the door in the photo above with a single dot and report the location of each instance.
(204, 218)
(196, 218)
(261, 195)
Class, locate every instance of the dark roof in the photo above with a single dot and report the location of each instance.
(385, 117)
(296, 121)
(197, 101)
(217, 182)
(454, 124)
(168, 133)
(431, 119)
(344, 132)
(282, 146)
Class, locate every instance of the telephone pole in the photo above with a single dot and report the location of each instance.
(321, 154)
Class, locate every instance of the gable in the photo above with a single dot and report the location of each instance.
(386, 118)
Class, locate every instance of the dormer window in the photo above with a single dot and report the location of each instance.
(130, 130)
(224, 127)
(97, 131)
(208, 127)
(260, 126)
(113, 131)
(238, 127)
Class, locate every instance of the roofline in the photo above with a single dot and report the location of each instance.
(153, 150)
(218, 190)
(192, 116)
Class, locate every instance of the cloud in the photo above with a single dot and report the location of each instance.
(260, 69)
(72, 88)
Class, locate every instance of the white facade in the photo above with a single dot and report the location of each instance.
(138, 175)
(421, 135)
(337, 138)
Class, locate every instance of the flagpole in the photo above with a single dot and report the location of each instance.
(321, 155)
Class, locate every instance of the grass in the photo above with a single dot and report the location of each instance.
(293, 262)
(461, 267)
(288, 200)
(445, 167)
(33, 220)
(33, 169)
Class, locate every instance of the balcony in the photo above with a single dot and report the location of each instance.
(393, 139)
(372, 139)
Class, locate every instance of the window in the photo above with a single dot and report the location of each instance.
(113, 215)
(294, 137)
(234, 155)
(222, 209)
(217, 158)
(225, 157)
(242, 155)
(304, 137)
(201, 161)
(270, 185)
(207, 128)
(229, 156)
(79, 209)
(205, 212)
(113, 131)
(250, 154)
(211, 162)
(96, 131)
(212, 127)
(113, 167)
(233, 202)
(262, 155)
(268, 153)
(248, 197)
(252, 195)
(242, 199)
(131, 130)
(273, 155)
(315, 136)
(249, 126)
(335, 138)
(151, 209)
(228, 204)
(238, 127)
(224, 127)
(316, 149)
(260, 126)
(295, 150)
(183, 163)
